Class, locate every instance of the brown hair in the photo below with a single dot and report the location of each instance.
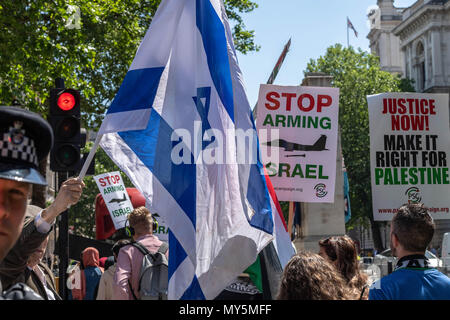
(413, 226)
(341, 250)
(308, 276)
(141, 219)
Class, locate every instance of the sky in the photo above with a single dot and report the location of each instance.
(313, 25)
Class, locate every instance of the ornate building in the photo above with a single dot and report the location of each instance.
(383, 42)
(424, 35)
(414, 42)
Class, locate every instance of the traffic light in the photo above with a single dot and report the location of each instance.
(65, 121)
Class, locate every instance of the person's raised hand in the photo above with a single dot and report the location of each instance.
(69, 194)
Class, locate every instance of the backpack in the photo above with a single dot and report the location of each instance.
(153, 278)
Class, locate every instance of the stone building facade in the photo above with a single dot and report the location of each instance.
(424, 35)
(414, 42)
(383, 42)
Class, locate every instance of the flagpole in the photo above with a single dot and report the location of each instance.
(290, 218)
(347, 32)
(275, 70)
(90, 157)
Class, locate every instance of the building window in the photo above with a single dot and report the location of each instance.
(423, 74)
(420, 67)
(419, 49)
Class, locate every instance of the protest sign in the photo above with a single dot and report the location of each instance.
(409, 152)
(297, 128)
(115, 196)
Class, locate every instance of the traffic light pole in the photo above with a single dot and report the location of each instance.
(64, 118)
(63, 243)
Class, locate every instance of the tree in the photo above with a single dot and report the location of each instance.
(357, 74)
(89, 43)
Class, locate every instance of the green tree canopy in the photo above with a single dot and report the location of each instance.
(357, 74)
(90, 44)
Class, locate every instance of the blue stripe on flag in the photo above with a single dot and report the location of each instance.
(257, 191)
(215, 44)
(194, 292)
(153, 146)
(176, 254)
(176, 257)
(258, 197)
(137, 91)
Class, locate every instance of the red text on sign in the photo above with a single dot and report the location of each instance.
(409, 114)
(110, 179)
(305, 102)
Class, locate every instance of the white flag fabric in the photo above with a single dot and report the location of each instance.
(185, 86)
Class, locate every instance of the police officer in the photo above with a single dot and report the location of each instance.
(25, 139)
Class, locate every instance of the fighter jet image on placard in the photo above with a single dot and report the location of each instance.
(119, 200)
(319, 145)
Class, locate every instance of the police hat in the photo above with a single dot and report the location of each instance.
(25, 139)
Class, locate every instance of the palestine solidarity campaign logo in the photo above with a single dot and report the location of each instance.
(320, 190)
(413, 194)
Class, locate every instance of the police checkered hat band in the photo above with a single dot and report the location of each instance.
(15, 145)
(25, 140)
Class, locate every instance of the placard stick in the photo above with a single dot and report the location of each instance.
(290, 218)
(90, 157)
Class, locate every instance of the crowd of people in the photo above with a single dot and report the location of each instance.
(331, 274)
(121, 275)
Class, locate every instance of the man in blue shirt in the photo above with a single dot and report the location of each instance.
(412, 229)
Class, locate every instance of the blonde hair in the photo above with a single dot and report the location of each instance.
(141, 219)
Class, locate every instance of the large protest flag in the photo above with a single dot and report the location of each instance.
(185, 82)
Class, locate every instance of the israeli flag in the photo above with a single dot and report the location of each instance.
(174, 128)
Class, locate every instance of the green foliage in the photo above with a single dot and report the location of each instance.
(406, 85)
(357, 74)
(243, 39)
(82, 215)
(285, 209)
(41, 40)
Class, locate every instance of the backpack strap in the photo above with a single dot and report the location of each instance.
(140, 247)
(131, 289)
(163, 248)
(144, 251)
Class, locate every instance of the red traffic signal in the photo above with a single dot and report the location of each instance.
(64, 117)
(66, 101)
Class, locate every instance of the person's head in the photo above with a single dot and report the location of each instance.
(341, 251)
(141, 220)
(36, 257)
(117, 246)
(412, 229)
(308, 276)
(110, 261)
(25, 139)
(90, 257)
